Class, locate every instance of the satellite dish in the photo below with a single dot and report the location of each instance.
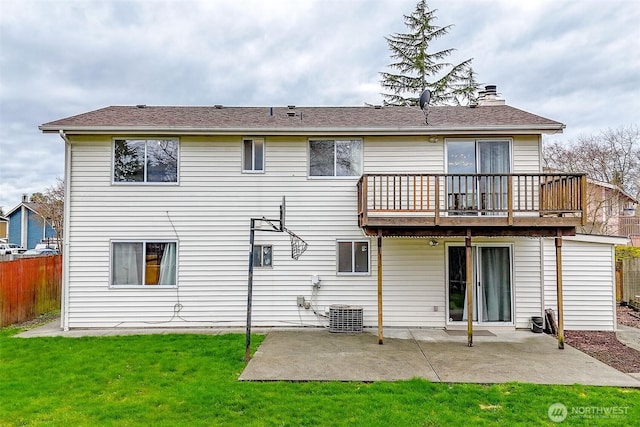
(424, 99)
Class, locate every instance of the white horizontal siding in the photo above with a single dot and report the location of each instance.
(527, 281)
(403, 155)
(413, 283)
(526, 154)
(588, 282)
(209, 213)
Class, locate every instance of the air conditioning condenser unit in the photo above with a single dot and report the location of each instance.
(345, 318)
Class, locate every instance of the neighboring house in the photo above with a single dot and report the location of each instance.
(27, 227)
(611, 211)
(4, 229)
(399, 215)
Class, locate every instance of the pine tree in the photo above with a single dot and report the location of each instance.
(416, 66)
(465, 90)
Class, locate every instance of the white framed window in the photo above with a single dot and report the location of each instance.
(353, 256)
(143, 263)
(335, 158)
(262, 256)
(145, 161)
(253, 155)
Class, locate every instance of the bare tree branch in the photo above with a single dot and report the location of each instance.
(50, 206)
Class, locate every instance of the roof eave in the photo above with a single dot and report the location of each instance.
(422, 130)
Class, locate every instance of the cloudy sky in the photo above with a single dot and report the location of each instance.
(577, 62)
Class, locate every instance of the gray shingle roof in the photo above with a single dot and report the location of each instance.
(298, 118)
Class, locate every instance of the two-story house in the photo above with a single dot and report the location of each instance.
(27, 227)
(611, 211)
(419, 220)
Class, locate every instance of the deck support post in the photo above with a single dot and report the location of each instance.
(470, 284)
(380, 332)
(558, 240)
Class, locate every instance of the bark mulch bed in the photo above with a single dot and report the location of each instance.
(605, 347)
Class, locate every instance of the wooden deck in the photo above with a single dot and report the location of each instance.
(536, 205)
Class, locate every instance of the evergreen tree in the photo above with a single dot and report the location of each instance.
(416, 67)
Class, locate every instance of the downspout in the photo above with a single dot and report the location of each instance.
(615, 312)
(380, 330)
(543, 282)
(64, 319)
(559, 291)
(470, 285)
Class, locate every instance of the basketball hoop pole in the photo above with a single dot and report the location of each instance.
(300, 247)
(247, 349)
(252, 233)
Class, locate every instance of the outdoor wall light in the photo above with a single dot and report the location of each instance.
(433, 243)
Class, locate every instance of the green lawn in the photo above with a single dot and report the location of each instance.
(192, 380)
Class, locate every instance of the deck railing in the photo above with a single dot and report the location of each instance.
(447, 195)
(628, 226)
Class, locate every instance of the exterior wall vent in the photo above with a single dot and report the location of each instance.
(345, 318)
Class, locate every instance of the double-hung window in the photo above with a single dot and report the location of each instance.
(253, 155)
(145, 160)
(353, 257)
(329, 157)
(143, 263)
(262, 256)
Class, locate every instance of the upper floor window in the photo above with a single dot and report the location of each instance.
(353, 257)
(145, 160)
(328, 157)
(253, 155)
(143, 263)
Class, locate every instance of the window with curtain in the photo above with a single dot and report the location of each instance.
(143, 263)
(496, 284)
(494, 159)
(330, 157)
(353, 257)
(145, 160)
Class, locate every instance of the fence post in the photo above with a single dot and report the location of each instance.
(619, 281)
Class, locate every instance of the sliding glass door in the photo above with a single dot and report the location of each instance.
(493, 161)
(492, 288)
(487, 192)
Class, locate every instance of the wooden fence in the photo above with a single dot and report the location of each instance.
(631, 280)
(29, 287)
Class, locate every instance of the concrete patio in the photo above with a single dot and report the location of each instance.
(436, 355)
(314, 354)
